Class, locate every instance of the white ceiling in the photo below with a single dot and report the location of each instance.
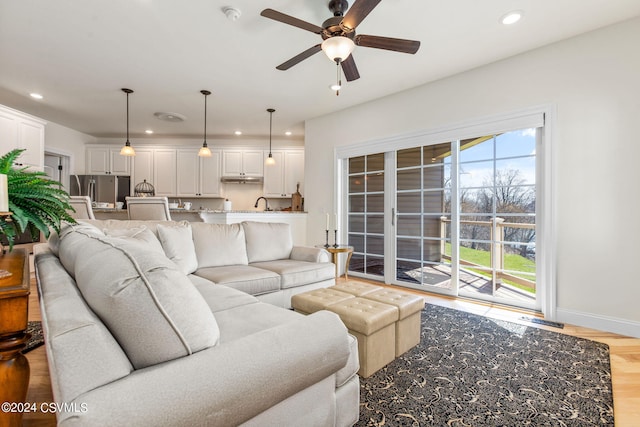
(78, 54)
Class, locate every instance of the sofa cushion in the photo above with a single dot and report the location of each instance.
(297, 273)
(267, 241)
(252, 280)
(137, 234)
(151, 308)
(220, 297)
(177, 242)
(219, 244)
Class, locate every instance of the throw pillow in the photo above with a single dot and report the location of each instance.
(153, 310)
(137, 234)
(219, 244)
(267, 241)
(177, 242)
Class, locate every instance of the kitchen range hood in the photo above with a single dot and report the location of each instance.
(242, 179)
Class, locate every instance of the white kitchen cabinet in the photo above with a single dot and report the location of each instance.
(242, 163)
(210, 174)
(107, 161)
(19, 130)
(198, 176)
(142, 168)
(164, 172)
(281, 179)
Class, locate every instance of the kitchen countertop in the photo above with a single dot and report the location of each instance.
(209, 211)
(215, 211)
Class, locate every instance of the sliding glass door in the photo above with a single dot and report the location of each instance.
(423, 216)
(456, 217)
(366, 201)
(497, 176)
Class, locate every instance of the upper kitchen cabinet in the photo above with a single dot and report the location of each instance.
(142, 169)
(282, 178)
(198, 176)
(19, 130)
(164, 172)
(107, 161)
(242, 163)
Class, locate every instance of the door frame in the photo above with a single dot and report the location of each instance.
(542, 117)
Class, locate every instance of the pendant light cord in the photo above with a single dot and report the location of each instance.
(205, 121)
(127, 117)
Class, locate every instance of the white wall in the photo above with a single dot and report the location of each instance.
(594, 82)
(63, 140)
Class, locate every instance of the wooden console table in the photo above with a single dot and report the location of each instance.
(14, 303)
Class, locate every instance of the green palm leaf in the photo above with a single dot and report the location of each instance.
(37, 204)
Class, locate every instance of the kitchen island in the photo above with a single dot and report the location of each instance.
(297, 220)
(192, 215)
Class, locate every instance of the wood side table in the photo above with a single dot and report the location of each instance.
(340, 249)
(14, 303)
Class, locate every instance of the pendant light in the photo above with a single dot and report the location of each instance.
(270, 160)
(204, 150)
(127, 149)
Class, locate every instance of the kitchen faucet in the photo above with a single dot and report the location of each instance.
(266, 203)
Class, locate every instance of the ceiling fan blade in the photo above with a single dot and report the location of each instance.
(299, 57)
(357, 12)
(349, 69)
(388, 43)
(281, 17)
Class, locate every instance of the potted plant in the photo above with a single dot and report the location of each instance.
(36, 203)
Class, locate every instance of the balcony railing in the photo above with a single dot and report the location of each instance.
(497, 248)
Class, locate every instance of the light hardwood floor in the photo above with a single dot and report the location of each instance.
(625, 358)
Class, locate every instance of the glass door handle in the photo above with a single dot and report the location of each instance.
(393, 216)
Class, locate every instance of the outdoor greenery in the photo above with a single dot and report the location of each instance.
(512, 262)
(36, 203)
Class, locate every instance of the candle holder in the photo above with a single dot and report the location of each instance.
(335, 238)
(326, 244)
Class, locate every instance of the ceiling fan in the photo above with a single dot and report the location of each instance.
(339, 35)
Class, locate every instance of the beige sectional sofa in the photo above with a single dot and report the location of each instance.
(166, 323)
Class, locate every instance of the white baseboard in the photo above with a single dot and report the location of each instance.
(602, 323)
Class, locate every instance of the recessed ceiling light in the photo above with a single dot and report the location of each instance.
(288, 133)
(36, 95)
(238, 132)
(148, 131)
(511, 17)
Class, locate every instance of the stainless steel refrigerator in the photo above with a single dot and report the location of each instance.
(101, 188)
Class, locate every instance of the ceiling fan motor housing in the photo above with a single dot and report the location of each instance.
(338, 7)
(333, 28)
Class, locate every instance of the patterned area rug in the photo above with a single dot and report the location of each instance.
(470, 370)
(37, 339)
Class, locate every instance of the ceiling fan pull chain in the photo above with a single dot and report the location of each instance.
(338, 78)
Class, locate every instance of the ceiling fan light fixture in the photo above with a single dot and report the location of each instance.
(338, 48)
(127, 149)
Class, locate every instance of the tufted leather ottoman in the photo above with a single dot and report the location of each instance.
(410, 307)
(356, 288)
(409, 310)
(318, 299)
(373, 324)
